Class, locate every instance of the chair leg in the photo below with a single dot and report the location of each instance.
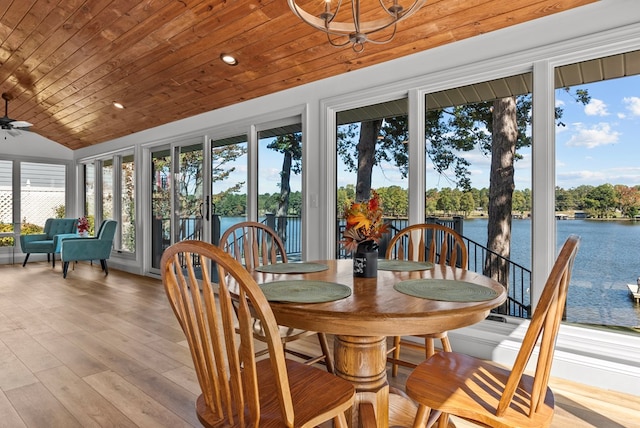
(103, 263)
(446, 345)
(25, 259)
(443, 420)
(429, 348)
(328, 360)
(422, 415)
(65, 269)
(396, 355)
(53, 257)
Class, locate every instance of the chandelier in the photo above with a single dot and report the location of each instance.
(343, 29)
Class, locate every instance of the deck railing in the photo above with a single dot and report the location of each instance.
(518, 281)
(519, 277)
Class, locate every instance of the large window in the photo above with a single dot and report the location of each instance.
(598, 185)
(127, 205)
(229, 178)
(27, 203)
(90, 195)
(6, 205)
(161, 185)
(106, 207)
(372, 154)
(109, 185)
(478, 177)
(280, 184)
(42, 192)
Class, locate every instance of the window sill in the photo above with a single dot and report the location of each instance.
(590, 355)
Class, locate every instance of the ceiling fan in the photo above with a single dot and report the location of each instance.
(13, 127)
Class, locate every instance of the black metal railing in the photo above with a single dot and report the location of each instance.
(289, 229)
(518, 280)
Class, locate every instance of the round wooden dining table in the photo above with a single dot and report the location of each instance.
(373, 311)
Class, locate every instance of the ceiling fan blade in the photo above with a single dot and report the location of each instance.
(20, 124)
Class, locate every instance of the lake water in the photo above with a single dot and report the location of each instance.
(608, 259)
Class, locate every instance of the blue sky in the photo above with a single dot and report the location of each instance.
(599, 144)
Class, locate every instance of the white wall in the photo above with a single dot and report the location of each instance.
(31, 144)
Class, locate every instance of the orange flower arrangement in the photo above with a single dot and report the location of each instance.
(364, 223)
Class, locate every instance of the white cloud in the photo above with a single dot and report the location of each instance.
(599, 134)
(618, 175)
(559, 103)
(570, 179)
(633, 105)
(596, 108)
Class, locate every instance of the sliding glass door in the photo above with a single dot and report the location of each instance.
(177, 196)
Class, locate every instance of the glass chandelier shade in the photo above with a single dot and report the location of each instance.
(345, 28)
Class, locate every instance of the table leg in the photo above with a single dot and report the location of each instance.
(362, 361)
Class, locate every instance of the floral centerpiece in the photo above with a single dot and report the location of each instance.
(83, 226)
(364, 224)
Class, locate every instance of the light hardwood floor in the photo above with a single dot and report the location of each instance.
(92, 350)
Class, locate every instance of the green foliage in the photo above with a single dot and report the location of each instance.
(28, 228)
(59, 211)
(6, 241)
(603, 201)
(391, 144)
(395, 200)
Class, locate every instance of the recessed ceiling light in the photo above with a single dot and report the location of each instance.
(117, 105)
(228, 59)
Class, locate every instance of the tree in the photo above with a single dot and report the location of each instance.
(501, 186)
(395, 201)
(220, 171)
(345, 195)
(379, 140)
(564, 200)
(431, 201)
(467, 203)
(447, 201)
(628, 200)
(290, 146)
(519, 202)
(497, 127)
(601, 200)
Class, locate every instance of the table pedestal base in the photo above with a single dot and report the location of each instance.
(362, 360)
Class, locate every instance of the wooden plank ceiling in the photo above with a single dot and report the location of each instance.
(66, 61)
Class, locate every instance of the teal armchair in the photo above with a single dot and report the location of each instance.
(55, 229)
(97, 248)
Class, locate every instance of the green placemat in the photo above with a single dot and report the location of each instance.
(292, 268)
(403, 265)
(446, 290)
(303, 291)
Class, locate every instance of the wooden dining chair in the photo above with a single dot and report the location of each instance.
(239, 389)
(455, 384)
(425, 242)
(255, 244)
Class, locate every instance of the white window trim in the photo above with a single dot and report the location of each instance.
(601, 358)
